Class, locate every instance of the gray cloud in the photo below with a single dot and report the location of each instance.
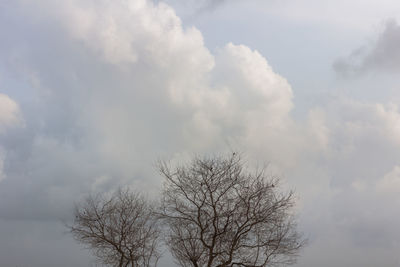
(382, 55)
(100, 90)
(104, 90)
(212, 4)
(198, 7)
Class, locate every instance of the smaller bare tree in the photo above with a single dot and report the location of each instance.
(220, 215)
(120, 229)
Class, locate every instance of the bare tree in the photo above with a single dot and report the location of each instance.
(218, 214)
(120, 229)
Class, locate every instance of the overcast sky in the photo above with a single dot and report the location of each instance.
(92, 93)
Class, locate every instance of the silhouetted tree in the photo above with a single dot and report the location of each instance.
(120, 229)
(219, 214)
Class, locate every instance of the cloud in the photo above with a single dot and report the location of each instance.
(213, 4)
(110, 87)
(345, 208)
(200, 6)
(105, 88)
(381, 55)
(390, 183)
(2, 175)
(10, 117)
(9, 113)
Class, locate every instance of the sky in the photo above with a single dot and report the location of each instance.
(93, 93)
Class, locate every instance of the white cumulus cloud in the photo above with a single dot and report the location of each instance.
(9, 113)
(108, 87)
(10, 117)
